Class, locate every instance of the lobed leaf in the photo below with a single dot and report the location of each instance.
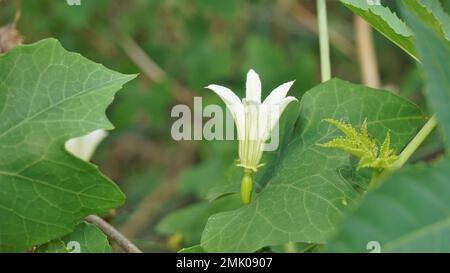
(48, 95)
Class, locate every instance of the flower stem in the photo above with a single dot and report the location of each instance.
(246, 187)
(324, 40)
(409, 150)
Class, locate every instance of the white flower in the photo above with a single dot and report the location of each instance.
(254, 120)
(83, 147)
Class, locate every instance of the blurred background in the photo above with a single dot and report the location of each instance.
(178, 47)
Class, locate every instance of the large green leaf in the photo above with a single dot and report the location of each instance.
(385, 21)
(410, 212)
(86, 238)
(311, 186)
(435, 56)
(48, 95)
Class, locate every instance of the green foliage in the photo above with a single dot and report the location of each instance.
(431, 13)
(48, 96)
(434, 51)
(440, 15)
(408, 213)
(363, 146)
(86, 238)
(393, 28)
(385, 21)
(308, 192)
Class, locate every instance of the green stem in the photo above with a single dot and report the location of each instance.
(415, 143)
(375, 179)
(324, 40)
(409, 150)
(247, 187)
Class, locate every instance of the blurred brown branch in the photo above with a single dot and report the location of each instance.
(143, 61)
(366, 53)
(152, 70)
(18, 12)
(113, 234)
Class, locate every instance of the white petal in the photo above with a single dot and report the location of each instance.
(225, 94)
(252, 110)
(253, 87)
(84, 147)
(239, 118)
(250, 147)
(274, 112)
(284, 102)
(264, 125)
(233, 103)
(278, 94)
